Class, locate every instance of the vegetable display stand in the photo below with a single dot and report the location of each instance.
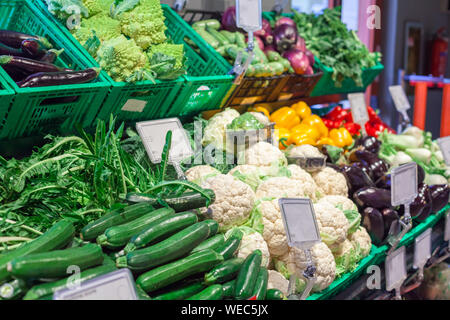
(6, 97)
(299, 86)
(44, 109)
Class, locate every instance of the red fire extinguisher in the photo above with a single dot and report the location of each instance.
(439, 53)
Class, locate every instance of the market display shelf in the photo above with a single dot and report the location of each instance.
(44, 109)
(6, 97)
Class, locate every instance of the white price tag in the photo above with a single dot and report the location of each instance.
(299, 222)
(444, 144)
(153, 135)
(395, 268)
(359, 108)
(117, 285)
(447, 227)
(400, 99)
(404, 184)
(422, 249)
(249, 15)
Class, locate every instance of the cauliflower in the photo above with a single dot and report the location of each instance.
(278, 281)
(105, 27)
(306, 151)
(198, 174)
(215, 130)
(121, 58)
(331, 182)
(346, 257)
(332, 223)
(280, 187)
(251, 241)
(295, 262)
(97, 6)
(347, 207)
(361, 239)
(309, 185)
(234, 200)
(145, 23)
(261, 118)
(273, 231)
(263, 154)
(248, 174)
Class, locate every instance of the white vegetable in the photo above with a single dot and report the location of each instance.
(248, 174)
(261, 118)
(362, 239)
(432, 179)
(309, 185)
(198, 174)
(331, 182)
(278, 281)
(416, 133)
(421, 154)
(215, 130)
(263, 154)
(332, 223)
(280, 187)
(306, 151)
(400, 158)
(251, 241)
(273, 233)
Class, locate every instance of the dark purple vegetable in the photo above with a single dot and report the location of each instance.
(14, 73)
(285, 38)
(384, 182)
(300, 45)
(389, 216)
(422, 204)
(374, 223)
(29, 66)
(364, 166)
(285, 20)
(357, 178)
(375, 164)
(51, 55)
(43, 79)
(370, 144)
(9, 51)
(298, 60)
(260, 43)
(33, 48)
(229, 20)
(373, 197)
(311, 57)
(14, 39)
(265, 33)
(420, 174)
(309, 71)
(440, 196)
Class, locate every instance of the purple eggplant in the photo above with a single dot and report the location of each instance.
(33, 48)
(51, 55)
(389, 216)
(10, 51)
(375, 164)
(357, 178)
(364, 167)
(440, 196)
(29, 66)
(384, 182)
(427, 209)
(285, 37)
(373, 197)
(420, 174)
(43, 79)
(370, 144)
(422, 204)
(14, 39)
(374, 223)
(14, 73)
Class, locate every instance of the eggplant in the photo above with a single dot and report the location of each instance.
(421, 205)
(28, 66)
(440, 196)
(357, 178)
(373, 197)
(43, 79)
(14, 39)
(14, 73)
(365, 168)
(389, 216)
(33, 48)
(378, 166)
(370, 144)
(51, 55)
(384, 182)
(9, 51)
(374, 223)
(420, 175)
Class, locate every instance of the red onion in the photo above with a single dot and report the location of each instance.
(309, 71)
(300, 44)
(285, 37)
(265, 33)
(229, 20)
(299, 61)
(310, 56)
(285, 20)
(260, 43)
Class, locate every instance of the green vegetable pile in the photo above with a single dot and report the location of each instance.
(336, 47)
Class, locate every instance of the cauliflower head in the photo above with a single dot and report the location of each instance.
(234, 200)
(248, 174)
(346, 257)
(278, 281)
(121, 58)
(360, 238)
(198, 174)
(309, 185)
(273, 231)
(261, 118)
(251, 241)
(105, 27)
(280, 187)
(332, 223)
(348, 207)
(331, 182)
(263, 154)
(306, 151)
(295, 262)
(97, 6)
(215, 130)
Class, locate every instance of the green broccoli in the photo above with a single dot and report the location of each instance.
(97, 6)
(106, 28)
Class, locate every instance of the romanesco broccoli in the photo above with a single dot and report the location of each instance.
(172, 50)
(97, 6)
(105, 27)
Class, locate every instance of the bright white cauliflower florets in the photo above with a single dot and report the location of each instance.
(263, 154)
(215, 130)
(309, 185)
(332, 223)
(198, 173)
(362, 239)
(307, 151)
(331, 182)
(251, 241)
(280, 187)
(234, 200)
(278, 281)
(295, 262)
(339, 201)
(248, 174)
(273, 233)
(261, 118)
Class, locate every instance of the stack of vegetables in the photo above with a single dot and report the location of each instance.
(126, 37)
(29, 61)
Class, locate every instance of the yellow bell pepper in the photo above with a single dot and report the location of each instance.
(310, 131)
(283, 133)
(301, 139)
(260, 109)
(302, 109)
(326, 141)
(285, 118)
(341, 137)
(316, 121)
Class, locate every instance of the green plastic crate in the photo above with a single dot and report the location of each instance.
(56, 108)
(6, 97)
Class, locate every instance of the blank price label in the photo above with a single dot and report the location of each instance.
(404, 184)
(400, 99)
(299, 222)
(422, 249)
(447, 227)
(359, 108)
(249, 14)
(444, 144)
(395, 268)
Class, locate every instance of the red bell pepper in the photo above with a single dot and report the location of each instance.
(337, 114)
(373, 116)
(332, 124)
(353, 128)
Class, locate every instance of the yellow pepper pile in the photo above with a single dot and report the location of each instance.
(297, 125)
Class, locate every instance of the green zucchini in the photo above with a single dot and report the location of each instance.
(114, 218)
(187, 201)
(275, 294)
(142, 295)
(240, 40)
(231, 245)
(44, 289)
(13, 290)
(209, 38)
(246, 279)
(250, 71)
(232, 52)
(221, 50)
(118, 236)
(260, 55)
(231, 37)
(212, 23)
(277, 67)
(58, 236)
(182, 293)
(286, 64)
(173, 272)
(274, 56)
(225, 271)
(211, 243)
(160, 229)
(220, 37)
(55, 264)
(214, 292)
(260, 288)
(228, 289)
(167, 250)
(213, 226)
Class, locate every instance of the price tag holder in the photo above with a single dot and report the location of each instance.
(444, 144)
(422, 250)
(359, 110)
(249, 15)
(117, 285)
(395, 268)
(153, 135)
(447, 228)
(401, 101)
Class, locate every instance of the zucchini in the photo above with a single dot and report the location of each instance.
(232, 52)
(228, 289)
(167, 250)
(231, 245)
(58, 236)
(225, 271)
(160, 229)
(260, 55)
(214, 292)
(260, 289)
(54, 264)
(44, 289)
(212, 243)
(187, 201)
(231, 37)
(165, 275)
(13, 290)
(182, 293)
(220, 37)
(114, 218)
(274, 56)
(118, 236)
(246, 279)
(221, 50)
(240, 40)
(213, 226)
(277, 68)
(275, 294)
(142, 295)
(211, 23)
(212, 41)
